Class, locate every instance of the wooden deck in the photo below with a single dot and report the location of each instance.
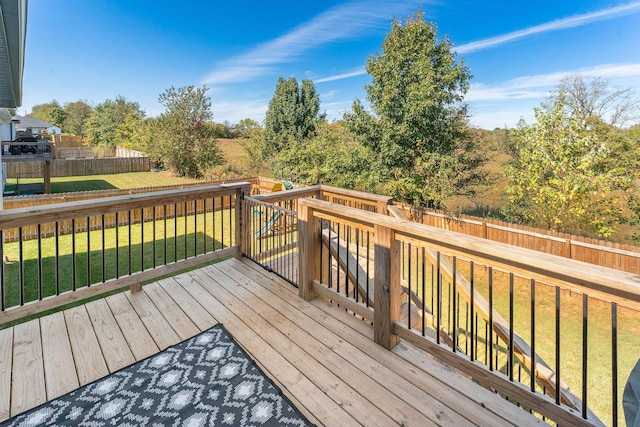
(323, 359)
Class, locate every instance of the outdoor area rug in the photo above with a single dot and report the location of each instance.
(207, 380)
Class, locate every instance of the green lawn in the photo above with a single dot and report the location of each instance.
(100, 257)
(106, 182)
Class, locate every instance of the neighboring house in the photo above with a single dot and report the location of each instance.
(34, 126)
(13, 31)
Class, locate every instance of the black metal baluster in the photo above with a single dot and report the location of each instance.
(195, 228)
(39, 262)
(164, 233)
(186, 231)
(585, 336)
(129, 237)
(439, 297)
(117, 246)
(57, 238)
(472, 328)
(511, 296)
(614, 363)
(88, 252)
(73, 253)
(154, 240)
(424, 277)
(175, 232)
(454, 330)
(104, 273)
(558, 391)
(491, 319)
(204, 224)
(142, 223)
(533, 336)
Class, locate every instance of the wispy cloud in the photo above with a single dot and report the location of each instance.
(342, 22)
(357, 72)
(560, 24)
(539, 85)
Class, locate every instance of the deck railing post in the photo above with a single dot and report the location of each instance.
(308, 250)
(242, 220)
(387, 286)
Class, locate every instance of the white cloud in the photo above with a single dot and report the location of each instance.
(343, 22)
(234, 111)
(538, 86)
(357, 72)
(560, 24)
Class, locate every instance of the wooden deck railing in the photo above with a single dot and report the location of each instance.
(557, 336)
(90, 247)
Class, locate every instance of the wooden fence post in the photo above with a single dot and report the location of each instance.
(387, 286)
(308, 250)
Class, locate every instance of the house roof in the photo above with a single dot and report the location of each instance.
(13, 29)
(31, 122)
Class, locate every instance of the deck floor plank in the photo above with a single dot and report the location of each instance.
(323, 358)
(138, 338)
(59, 370)
(438, 381)
(198, 315)
(28, 384)
(311, 401)
(340, 357)
(342, 386)
(6, 360)
(171, 311)
(88, 359)
(159, 328)
(114, 346)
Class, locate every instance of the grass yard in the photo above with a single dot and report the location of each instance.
(98, 256)
(106, 182)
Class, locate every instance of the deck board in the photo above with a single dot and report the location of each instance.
(28, 385)
(159, 328)
(117, 352)
(321, 357)
(59, 370)
(6, 359)
(88, 359)
(337, 356)
(135, 333)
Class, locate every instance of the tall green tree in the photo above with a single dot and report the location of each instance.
(42, 111)
(102, 124)
(293, 113)
(186, 139)
(56, 115)
(332, 156)
(76, 114)
(418, 127)
(562, 176)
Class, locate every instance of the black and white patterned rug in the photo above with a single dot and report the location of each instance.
(207, 380)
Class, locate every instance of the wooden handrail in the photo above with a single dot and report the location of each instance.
(59, 211)
(600, 282)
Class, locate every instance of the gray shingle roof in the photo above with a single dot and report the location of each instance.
(31, 122)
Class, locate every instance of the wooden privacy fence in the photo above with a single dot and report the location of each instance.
(67, 140)
(594, 251)
(84, 152)
(81, 167)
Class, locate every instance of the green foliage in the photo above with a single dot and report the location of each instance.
(418, 131)
(245, 127)
(56, 115)
(41, 111)
(563, 177)
(76, 114)
(101, 126)
(293, 113)
(185, 138)
(331, 157)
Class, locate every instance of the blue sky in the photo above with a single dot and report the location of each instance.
(517, 51)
